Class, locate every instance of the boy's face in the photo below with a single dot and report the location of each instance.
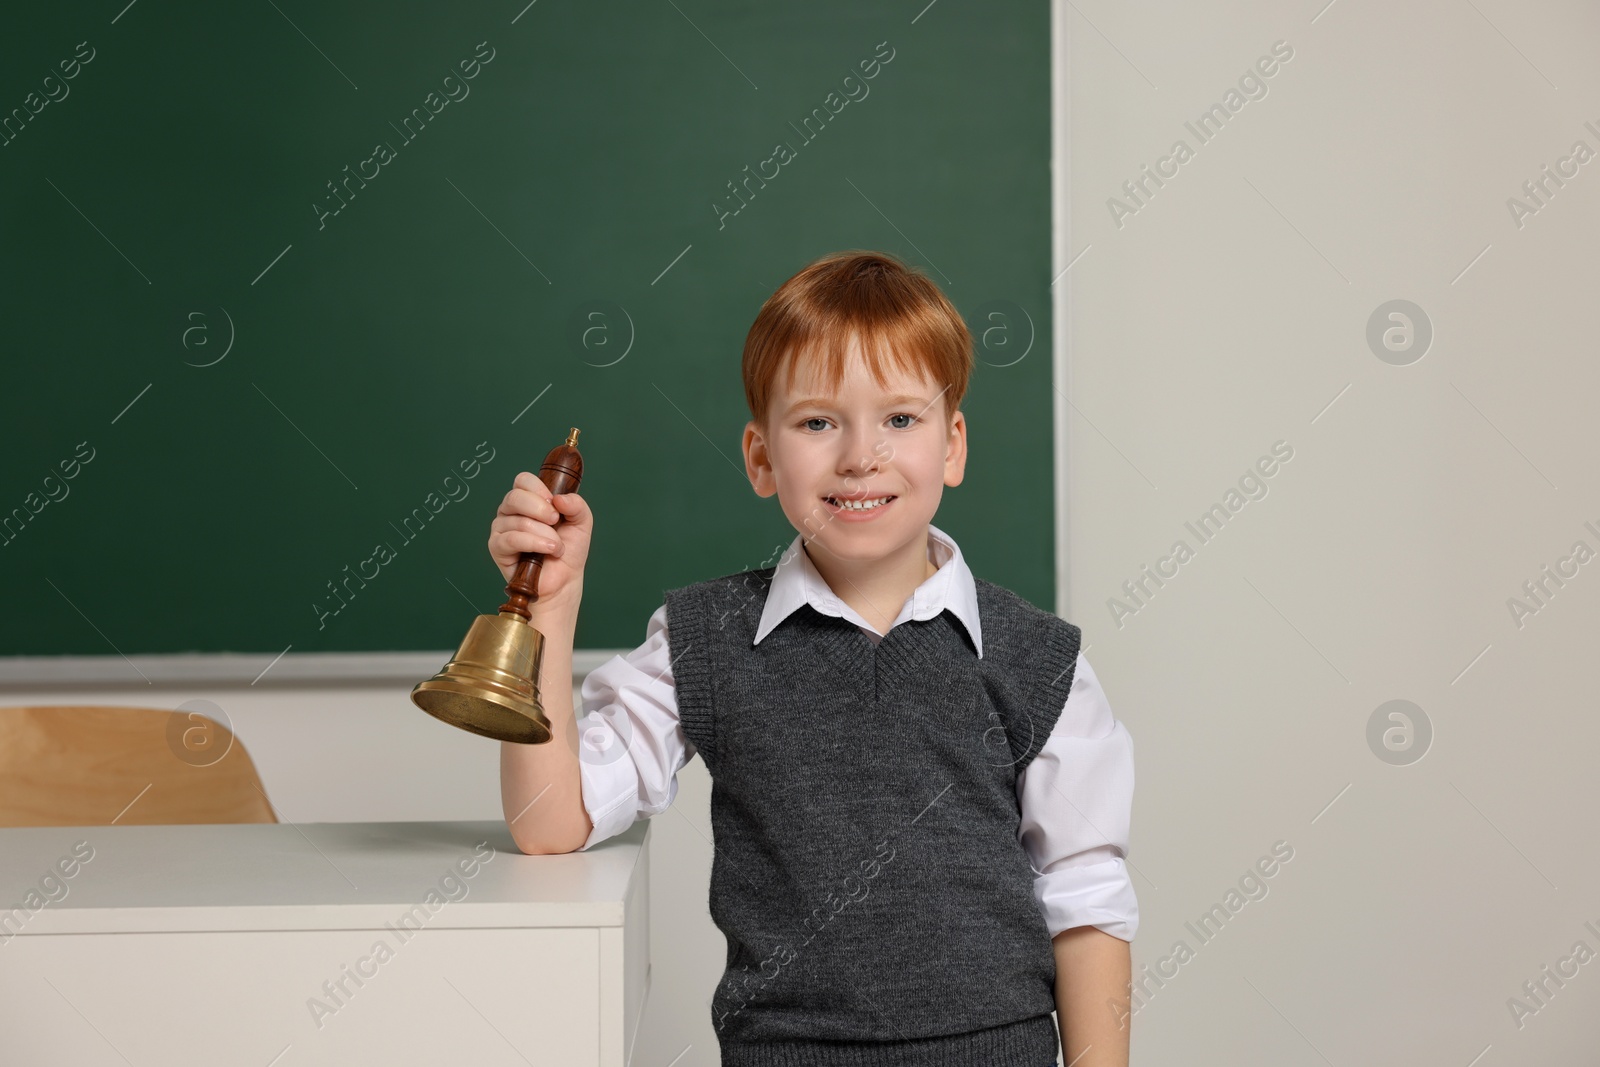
(866, 442)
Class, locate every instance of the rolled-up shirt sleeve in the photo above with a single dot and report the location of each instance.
(630, 742)
(1076, 799)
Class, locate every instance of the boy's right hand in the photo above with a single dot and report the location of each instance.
(527, 521)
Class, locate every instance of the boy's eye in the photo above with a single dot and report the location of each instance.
(902, 415)
(808, 422)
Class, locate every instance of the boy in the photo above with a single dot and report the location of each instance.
(920, 799)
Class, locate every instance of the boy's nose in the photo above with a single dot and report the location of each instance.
(859, 458)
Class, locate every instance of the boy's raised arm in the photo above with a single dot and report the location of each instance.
(541, 788)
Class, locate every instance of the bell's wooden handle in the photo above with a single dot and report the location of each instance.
(561, 473)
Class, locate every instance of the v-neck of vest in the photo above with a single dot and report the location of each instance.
(901, 656)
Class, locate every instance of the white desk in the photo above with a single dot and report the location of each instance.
(319, 943)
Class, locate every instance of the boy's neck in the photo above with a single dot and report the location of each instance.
(876, 588)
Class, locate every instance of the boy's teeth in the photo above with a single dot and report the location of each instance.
(860, 505)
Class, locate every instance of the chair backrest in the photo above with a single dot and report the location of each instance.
(93, 766)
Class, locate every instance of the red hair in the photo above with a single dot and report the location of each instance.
(899, 315)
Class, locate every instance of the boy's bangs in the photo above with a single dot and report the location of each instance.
(885, 347)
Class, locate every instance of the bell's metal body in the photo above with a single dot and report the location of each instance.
(491, 687)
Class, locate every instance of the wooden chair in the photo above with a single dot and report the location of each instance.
(94, 766)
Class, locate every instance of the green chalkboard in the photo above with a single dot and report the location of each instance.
(278, 275)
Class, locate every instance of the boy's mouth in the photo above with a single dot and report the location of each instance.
(859, 503)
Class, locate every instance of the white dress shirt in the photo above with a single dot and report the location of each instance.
(1075, 796)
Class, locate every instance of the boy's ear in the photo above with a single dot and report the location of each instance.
(757, 461)
(955, 460)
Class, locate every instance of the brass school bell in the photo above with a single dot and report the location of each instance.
(491, 687)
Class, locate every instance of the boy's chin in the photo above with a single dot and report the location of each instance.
(850, 538)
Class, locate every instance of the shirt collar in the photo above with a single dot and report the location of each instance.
(795, 583)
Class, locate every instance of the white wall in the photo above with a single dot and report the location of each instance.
(1230, 313)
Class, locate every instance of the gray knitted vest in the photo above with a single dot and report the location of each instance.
(867, 874)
